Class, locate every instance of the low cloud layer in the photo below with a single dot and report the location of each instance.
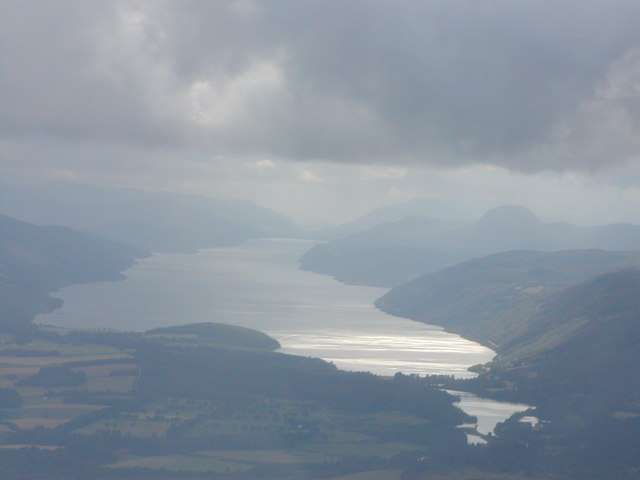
(526, 85)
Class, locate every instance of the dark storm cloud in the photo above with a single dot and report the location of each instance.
(525, 84)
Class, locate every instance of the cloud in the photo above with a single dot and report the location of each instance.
(307, 175)
(260, 167)
(372, 173)
(528, 85)
(607, 124)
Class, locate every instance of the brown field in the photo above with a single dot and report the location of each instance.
(27, 361)
(269, 456)
(39, 447)
(67, 405)
(183, 462)
(35, 392)
(384, 450)
(473, 474)
(19, 370)
(6, 383)
(109, 384)
(371, 475)
(57, 410)
(470, 474)
(135, 428)
(105, 370)
(29, 423)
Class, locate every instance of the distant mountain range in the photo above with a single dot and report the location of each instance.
(36, 260)
(417, 207)
(393, 253)
(158, 221)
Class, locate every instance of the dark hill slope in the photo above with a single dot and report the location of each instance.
(394, 253)
(36, 260)
(492, 299)
(584, 341)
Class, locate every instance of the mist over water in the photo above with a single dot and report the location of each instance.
(258, 285)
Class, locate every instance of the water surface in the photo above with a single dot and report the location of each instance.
(488, 412)
(258, 285)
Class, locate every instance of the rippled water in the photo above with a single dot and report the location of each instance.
(258, 285)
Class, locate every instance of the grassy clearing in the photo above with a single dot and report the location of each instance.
(31, 395)
(340, 436)
(381, 423)
(109, 384)
(383, 450)
(18, 371)
(39, 447)
(371, 475)
(470, 474)
(44, 361)
(59, 410)
(29, 423)
(473, 474)
(6, 383)
(132, 427)
(281, 457)
(176, 463)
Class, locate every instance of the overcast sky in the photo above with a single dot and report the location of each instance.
(325, 109)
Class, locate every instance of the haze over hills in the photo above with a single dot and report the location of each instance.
(417, 207)
(156, 220)
(36, 260)
(389, 254)
(394, 253)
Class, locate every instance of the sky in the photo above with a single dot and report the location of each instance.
(327, 109)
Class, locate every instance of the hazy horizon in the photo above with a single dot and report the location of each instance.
(324, 110)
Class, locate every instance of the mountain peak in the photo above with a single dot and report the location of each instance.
(509, 215)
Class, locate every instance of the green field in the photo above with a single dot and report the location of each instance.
(177, 463)
(263, 436)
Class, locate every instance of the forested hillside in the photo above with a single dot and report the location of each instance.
(565, 325)
(566, 334)
(582, 342)
(493, 298)
(36, 260)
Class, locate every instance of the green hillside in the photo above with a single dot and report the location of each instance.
(566, 329)
(492, 299)
(36, 260)
(582, 342)
(217, 334)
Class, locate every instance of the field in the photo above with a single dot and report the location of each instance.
(97, 397)
(176, 463)
(43, 407)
